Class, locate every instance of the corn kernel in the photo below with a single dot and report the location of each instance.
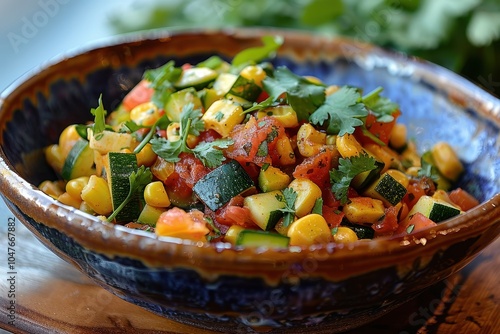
(67, 199)
(54, 157)
(447, 161)
(309, 140)
(309, 230)
(255, 73)
(284, 148)
(364, 210)
(67, 140)
(283, 113)
(223, 116)
(308, 193)
(162, 169)
(156, 195)
(53, 189)
(232, 234)
(348, 146)
(344, 235)
(146, 156)
(145, 114)
(74, 187)
(398, 136)
(97, 195)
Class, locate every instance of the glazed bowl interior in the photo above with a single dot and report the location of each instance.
(141, 268)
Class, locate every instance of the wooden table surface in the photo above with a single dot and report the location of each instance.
(52, 296)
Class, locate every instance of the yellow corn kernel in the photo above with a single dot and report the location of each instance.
(67, 140)
(344, 235)
(399, 176)
(86, 208)
(447, 161)
(52, 188)
(309, 140)
(308, 193)
(398, 136)
(109, 141)
(286, 155)
(162, 169)
(232, 234)
(283, 113)
(384, 154)
(331, 139)
(97, 195)
(54, 157)
(146, 156)
(74, 187)
(281, 228)
(255, 73)
(145, 114)
(410, 154)
(223, 116)
(309, 230)
(174, 131)
(364, 210)
(348, 146)
(413, 171)
(313, 79)
(156, 195)
(67, 199)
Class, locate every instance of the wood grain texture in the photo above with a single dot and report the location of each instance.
(54, 297)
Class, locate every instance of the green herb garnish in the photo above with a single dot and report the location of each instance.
(289, 197)
(259, 53)
(162, 79)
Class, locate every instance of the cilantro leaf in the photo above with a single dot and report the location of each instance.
(162, 122)
(256, 54)
(137, 181)
(99, 119)
(289, 197)
(162, 79)
(261, 105)
(348, 169)
(209, 152)
(302, 95)
(381, 107)
(343, 110)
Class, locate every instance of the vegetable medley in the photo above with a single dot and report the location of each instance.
(254, 155)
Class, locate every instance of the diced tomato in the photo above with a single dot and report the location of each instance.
(177, 189)
(381, 130)
(190, 168)
(141, 93)
(389, 224)
(209, 136)
(180, 224)
(463, 199)
(415, 223)
(316, 168)
(234, 215)
(332, 216)
(263, 95)
(254, 140)
(415, 191)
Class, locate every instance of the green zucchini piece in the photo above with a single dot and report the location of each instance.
(224, 82)
(365, 179)
(265, 208)
(387, 189)
(434, 209)
(150, 214)
(176, 101)
(208, 96)
(79, 162)
(252, 238)
(223, 183)
(362, 232)
(272, 178)
(245, 89)
(196, 77)
(118, 167)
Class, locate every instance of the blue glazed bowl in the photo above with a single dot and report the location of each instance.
(326, 288)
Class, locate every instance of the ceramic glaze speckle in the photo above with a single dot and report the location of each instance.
(328, 288)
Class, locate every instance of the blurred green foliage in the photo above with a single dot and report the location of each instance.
(462, 35)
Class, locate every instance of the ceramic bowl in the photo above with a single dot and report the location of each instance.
(328, 288)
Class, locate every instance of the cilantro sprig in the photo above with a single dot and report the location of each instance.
(303, 95)
(161, 80)
(289, 196)
(209, 153)
(348, 169)
(138, 181)
(256, 54)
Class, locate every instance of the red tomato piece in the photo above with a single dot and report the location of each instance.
(316, 168)
(389, 224)
(381, 130)
(332, 216)
(190, 169)
(463, 199)
(180, 224)
(416, 222)
(141, 93)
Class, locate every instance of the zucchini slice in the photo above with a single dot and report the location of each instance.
(434, 209)
(265, 208)
(365, 179)
(79, 162)
(196, 77)
(118, 167)
(245, 89)
(387, 189)
(252, 238)
(176, 101)
(223, 183)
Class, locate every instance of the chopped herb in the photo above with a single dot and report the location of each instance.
(318, 206)
(348, 169)
(162, 79)
(216, 232)
(259, 53)
(219, 116)
(302, 95)
(265, 166)
(289, 197)
(99, 119)
(162, 122)
(427, 169)
(210, 153)
(410, 228)
(381, 107)
(212, 62)
(343, 110)
(137, 181)
(259, 106)
(335, 230)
